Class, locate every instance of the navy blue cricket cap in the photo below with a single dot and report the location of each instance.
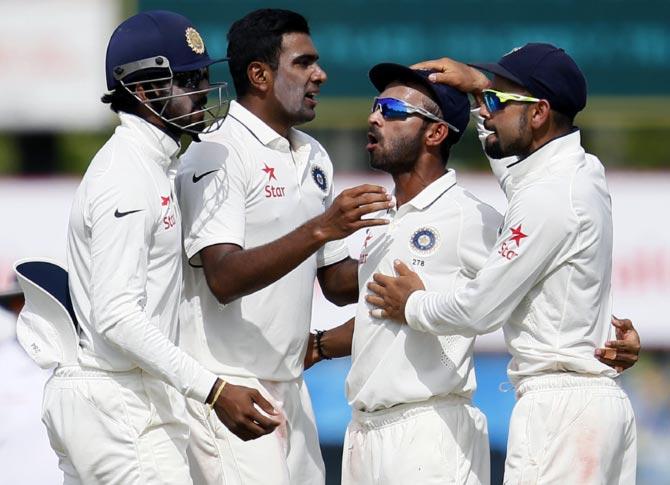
(149, 36)
(453, 103)
(547, 72)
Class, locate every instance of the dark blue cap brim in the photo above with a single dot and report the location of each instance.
(385, 73)
(498, 70)
(205, 62)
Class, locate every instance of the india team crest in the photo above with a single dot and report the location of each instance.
(319, 177)
(424, 241)
(194, 41)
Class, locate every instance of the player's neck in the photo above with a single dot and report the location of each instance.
(266, 113)
(410, 184)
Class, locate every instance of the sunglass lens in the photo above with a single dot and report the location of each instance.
(492, 102)
(393, 109)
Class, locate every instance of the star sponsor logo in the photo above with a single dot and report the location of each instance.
(270, 171)
(507, 250)
(368, 237)
(272, 191)
(517, 235)
(169, 218)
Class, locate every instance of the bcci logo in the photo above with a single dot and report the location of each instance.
(424, 240)
(194, 41)
(319, 177)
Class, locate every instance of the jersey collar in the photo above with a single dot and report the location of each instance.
(152, 142)
(548, 157)
(433, 192)
(262, 131)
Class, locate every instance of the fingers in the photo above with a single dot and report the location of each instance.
(365, 209)
(432, 65)
(369, 223)
(622, 323)
(266, 423)
(605, 353)
(263, 403)
(380, 280)
(402, 269)
(250, 430)
(376, 301)
(378, 313)
(622, 345)
(616, 358)
(364, 189)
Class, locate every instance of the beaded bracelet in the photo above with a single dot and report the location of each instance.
(319, 349)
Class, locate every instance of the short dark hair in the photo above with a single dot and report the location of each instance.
(120, 100)
(258, 37)
(562, 121)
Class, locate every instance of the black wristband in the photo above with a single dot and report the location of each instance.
(319, 349)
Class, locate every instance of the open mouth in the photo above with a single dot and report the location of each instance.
(373, 141)
(312, 97)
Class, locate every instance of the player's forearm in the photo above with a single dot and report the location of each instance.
(336, 342)
(237, 273)
(339, 282)
(453, 313)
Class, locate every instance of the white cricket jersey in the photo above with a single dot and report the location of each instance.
(124, 258)
(246, 185)
(444, 234)
(548, 278)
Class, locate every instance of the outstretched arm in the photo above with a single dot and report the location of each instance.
(456, 74)
(233, 272)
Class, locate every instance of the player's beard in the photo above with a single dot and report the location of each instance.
(517, 147)
(397, 155)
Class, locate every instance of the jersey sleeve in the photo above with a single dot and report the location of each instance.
(477, 237)
(122, 224)
(211, 188)
(529, 240)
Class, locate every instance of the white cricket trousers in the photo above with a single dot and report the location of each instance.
(290, 455)
(440, 441)
(116, 427)
(571, 429)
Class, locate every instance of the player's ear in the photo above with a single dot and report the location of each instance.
(435, 134)
(540, 113)
(260, 75)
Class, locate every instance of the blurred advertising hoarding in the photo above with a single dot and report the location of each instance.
(52, 54)
(34, 215)
(623, 47)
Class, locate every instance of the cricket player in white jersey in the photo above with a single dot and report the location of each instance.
(260, 223)
(118, 415)
(413, 419)
(547, 281)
